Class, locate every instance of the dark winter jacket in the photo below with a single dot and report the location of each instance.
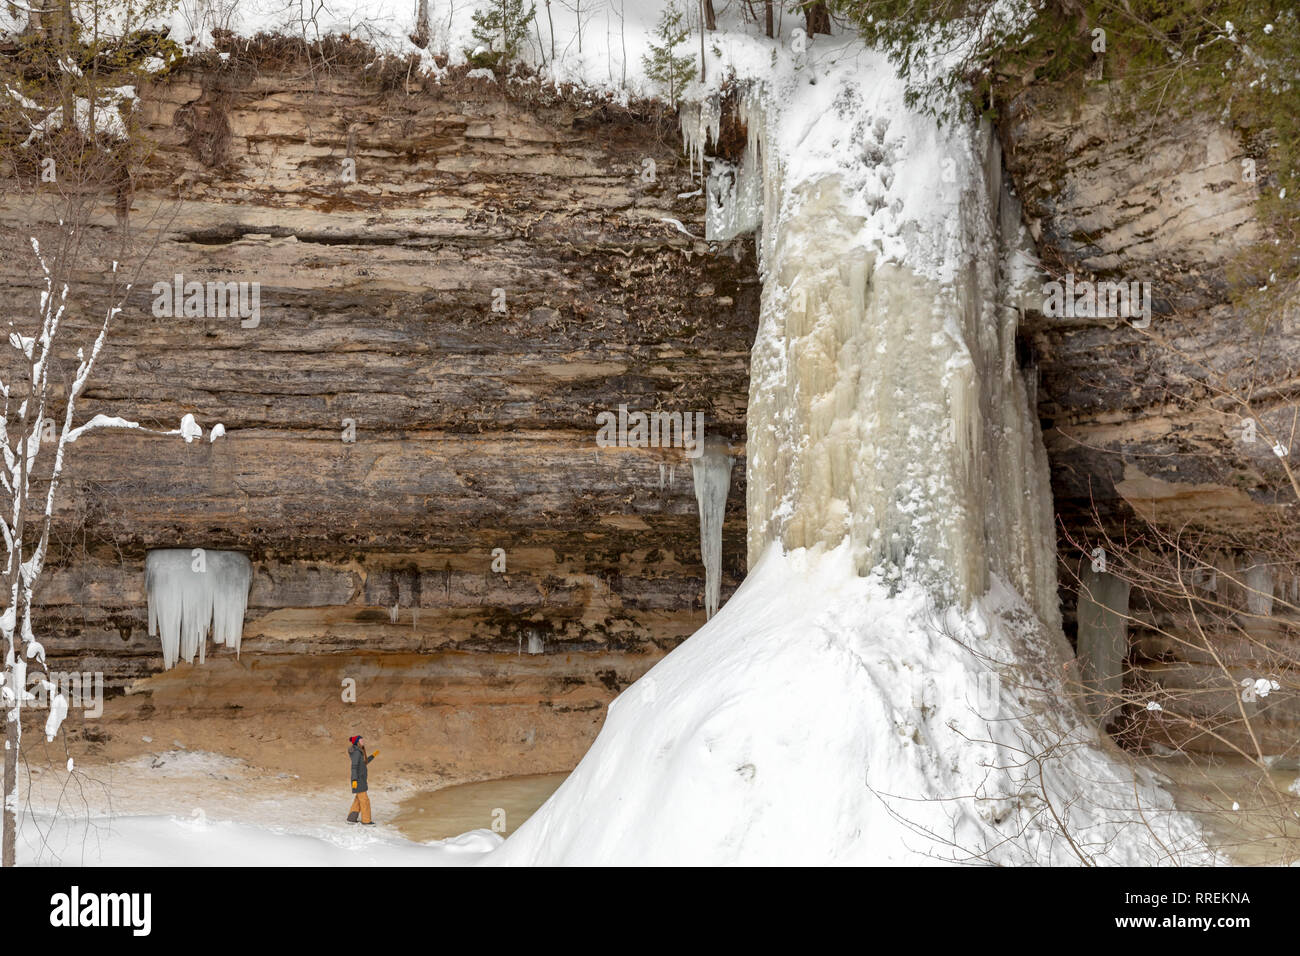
(359, 761)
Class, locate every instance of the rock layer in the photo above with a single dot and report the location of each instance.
(1146, 424)
(507, 264)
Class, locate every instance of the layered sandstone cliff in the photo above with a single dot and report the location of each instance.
(475, 429)
(1148, 424)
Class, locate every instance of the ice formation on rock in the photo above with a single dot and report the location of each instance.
(711, 472)
(1103, 638)
(1258, 581)
(191, 592)
(886, 404)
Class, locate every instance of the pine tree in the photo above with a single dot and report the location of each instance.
(501, 27)
(661, 65)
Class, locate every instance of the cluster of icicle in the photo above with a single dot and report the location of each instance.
(190, 592)
(1242, 581)
(1247, 581)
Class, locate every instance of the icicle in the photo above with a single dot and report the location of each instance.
(711, 473)
(689, 117)
(1223, 572)
(1103, 638)
(535, 643)
(668, 472)
(734, 199)
(189, 595)
(393, 613)
(701, 123)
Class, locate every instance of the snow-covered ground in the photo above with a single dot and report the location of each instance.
(176, 841)
(206, 809)
(602, 48)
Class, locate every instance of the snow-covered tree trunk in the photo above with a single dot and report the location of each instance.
(422, 31)
(26, 524)
(73, 162)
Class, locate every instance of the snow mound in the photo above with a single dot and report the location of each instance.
(818, 718)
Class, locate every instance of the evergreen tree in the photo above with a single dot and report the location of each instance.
(501, 27)
(661, 64)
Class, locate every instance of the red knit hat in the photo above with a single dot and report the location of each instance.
(354, 739)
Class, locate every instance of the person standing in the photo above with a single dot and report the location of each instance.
(361, 798)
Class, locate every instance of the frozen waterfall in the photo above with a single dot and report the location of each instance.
(886, 405)
(191, 591)
(894, 658)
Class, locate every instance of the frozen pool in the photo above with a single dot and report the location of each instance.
(448, 812)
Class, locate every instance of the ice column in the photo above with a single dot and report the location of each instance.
(1103, 638)
(1258, 579)
(711, 472)
(190, 591)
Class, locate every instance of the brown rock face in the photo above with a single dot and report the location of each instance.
(1148, 423)
(499, 273)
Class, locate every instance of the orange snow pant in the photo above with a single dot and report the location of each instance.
(360, 804)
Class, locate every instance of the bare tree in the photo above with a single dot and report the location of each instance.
(581, 18)
(704, 69)
(550, 25)
(76, 158)
(1202, 672)
(421, 35)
